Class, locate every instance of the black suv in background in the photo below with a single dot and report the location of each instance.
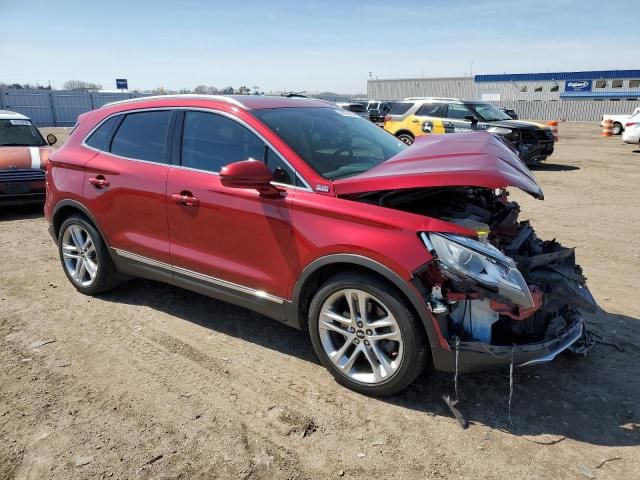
(378, 110)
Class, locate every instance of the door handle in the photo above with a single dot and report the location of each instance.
(185, 198)
(99, 181)
(415, 120)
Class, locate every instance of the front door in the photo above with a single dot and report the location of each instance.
(228, 238)
(455, 121)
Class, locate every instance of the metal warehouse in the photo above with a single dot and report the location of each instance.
(569, 96)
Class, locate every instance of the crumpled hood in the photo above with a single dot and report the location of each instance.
(475, 159)
(521, 124)
(24, 157)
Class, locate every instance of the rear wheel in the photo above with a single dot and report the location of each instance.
(406, 138)
(365, 334)
(617, 128)
(84, 256)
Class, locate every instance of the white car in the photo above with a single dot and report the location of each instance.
(632, 129)
(618, 121)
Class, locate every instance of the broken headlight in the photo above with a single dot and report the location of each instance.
(465, 258)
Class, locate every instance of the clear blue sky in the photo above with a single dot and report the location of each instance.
(306, 45)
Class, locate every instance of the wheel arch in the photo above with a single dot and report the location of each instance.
(321, 269)
(65, 208)
(405, 131)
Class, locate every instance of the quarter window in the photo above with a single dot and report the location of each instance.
(457, 111)
(99, 138)
(210, 141)
(282, 173)
(142, 136)
(400, 108)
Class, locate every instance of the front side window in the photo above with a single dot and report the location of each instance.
(334, 142)
(20, 133)
(142, 136)
(211, 141)
(488, 112)
(458, 111)
(282, 173)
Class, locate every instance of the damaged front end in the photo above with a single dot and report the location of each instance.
(502, 295)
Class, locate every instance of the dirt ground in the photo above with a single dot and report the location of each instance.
(155, 382)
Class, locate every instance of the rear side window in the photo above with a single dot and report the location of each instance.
(431, 110)
(142, 136)
(210, 141)
(400, 108)
(99, 138)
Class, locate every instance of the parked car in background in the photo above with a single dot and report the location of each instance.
(393, 258)
(378, 110)
(418, 116)
(512, 113)
(23, 157)
(631, 132)
(619, 121)
(357, 108)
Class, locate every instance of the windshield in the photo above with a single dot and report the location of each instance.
(334, 142)
(19, 132)
(488, 112)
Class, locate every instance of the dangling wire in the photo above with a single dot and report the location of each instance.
(511, 384)
(455, 377)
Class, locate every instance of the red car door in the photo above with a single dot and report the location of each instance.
(125, 183)
(227, 237)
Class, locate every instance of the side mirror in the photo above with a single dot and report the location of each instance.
(471, 118)
(52, 139)
(249, 174)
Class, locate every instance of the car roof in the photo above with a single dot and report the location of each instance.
(9, 115)
(246, 102)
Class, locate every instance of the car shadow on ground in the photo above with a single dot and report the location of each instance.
(592, 399)
(553, 167)
(21, 212)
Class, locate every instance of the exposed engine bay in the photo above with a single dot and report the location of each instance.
(507, 288)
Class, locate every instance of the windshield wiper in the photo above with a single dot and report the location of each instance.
(18, 145)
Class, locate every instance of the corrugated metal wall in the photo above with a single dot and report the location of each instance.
(56, 108)
(541, 105)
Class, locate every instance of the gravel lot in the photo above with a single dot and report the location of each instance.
(155, 382)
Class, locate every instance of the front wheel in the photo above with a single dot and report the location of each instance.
(365, 335)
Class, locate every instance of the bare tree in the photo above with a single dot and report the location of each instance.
(243, 90)
(201, 89)
(80, 85)
(228, 91)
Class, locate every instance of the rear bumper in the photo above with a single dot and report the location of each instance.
(477, 356)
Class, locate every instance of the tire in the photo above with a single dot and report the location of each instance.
(406, 138)
(77, 230)
(399, 358)
(617, 128)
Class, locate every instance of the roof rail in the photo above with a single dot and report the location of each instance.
(221, 98)
(433, 98)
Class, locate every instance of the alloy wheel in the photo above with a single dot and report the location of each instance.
(360, 335)
(79, 255)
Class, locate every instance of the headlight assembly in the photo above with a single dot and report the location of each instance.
(466, 258)
(500, 130)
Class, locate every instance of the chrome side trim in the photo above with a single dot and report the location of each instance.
(184, 96)
(199, 276)
(306, 187)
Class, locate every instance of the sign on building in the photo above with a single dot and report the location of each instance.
(122, 84)
(577, 86)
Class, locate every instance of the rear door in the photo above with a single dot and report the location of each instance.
(428, 119)
(229, 239)
(455, 121)
(125, 183)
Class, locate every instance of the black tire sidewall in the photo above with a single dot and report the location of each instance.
(413, 336)
(106, 276)
(406, 135)
(617, 129)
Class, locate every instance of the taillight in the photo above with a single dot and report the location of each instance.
(631, 124)
(387, 118)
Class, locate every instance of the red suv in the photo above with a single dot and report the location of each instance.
(393, 258)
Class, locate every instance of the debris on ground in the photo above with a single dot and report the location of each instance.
(154, 459)
(607, 460)
(41, 343)
(464, 423)
(586, 471)
(80, 461)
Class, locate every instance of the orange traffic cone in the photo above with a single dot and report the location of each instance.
(607, 128)
(554, 128)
